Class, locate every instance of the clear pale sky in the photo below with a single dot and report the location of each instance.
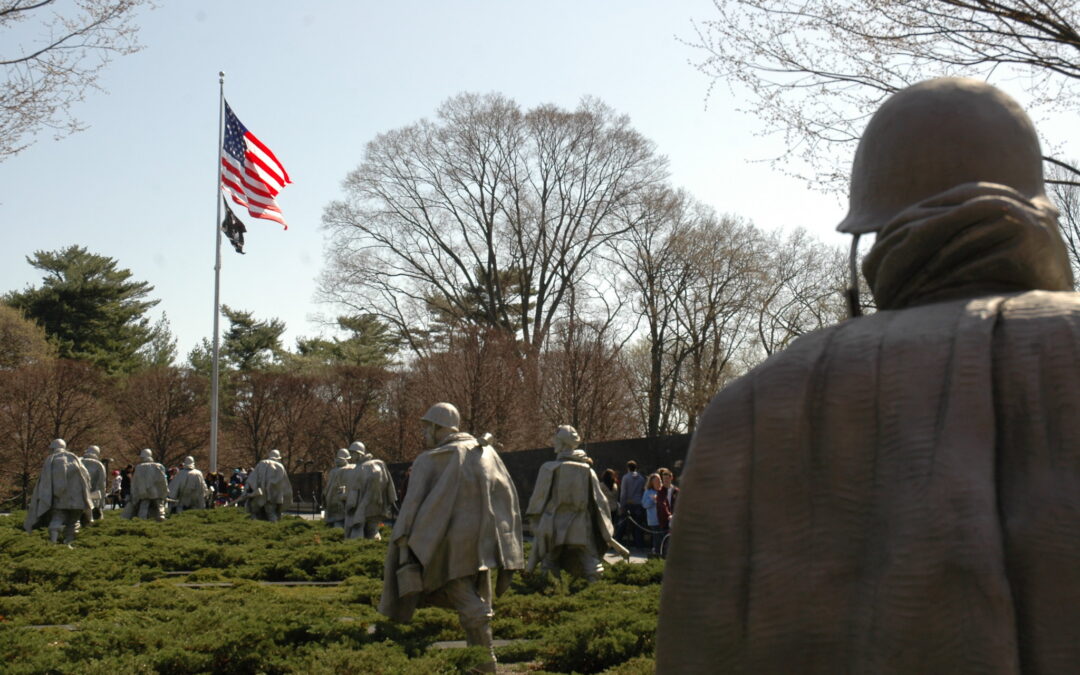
(316, 81)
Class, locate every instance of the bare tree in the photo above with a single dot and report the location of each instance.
(801, 289)
(301, 415)
(353, 395)
(51, 57)
(656, 275)
(485, 374)
(47, 400)
(253, 417)
(724, 253)
(165, 409)
(23, 424)
(487, 215)
(1066, 197)
(585, 382)
(816, 70)
(691, 274)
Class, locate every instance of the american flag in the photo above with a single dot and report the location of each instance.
(251, 174)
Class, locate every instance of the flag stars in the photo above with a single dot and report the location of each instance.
(250, 173)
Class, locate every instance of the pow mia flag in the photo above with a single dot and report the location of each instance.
(233, 229)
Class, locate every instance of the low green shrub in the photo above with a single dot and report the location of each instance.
(639, 665)
(596, 639)
(638, 574)
(518, 652)
(118, 588)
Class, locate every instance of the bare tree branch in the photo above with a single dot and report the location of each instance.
(815, 70)
(44, 77)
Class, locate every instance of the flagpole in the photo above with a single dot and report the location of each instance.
(217, 280)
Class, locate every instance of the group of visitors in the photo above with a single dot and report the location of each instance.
(641, 506)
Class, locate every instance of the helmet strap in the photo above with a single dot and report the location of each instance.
(854, 309)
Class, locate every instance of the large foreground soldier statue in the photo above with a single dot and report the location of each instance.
(458, 524)
(268, 490)
(900, 493)
(61, 496)
(149, 489)
(570, 517)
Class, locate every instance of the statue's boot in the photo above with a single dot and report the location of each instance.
(54, 534)
(481, 636)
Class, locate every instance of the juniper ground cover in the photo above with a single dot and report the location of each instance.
(188, 596)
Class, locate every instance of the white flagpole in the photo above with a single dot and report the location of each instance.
(217, 281)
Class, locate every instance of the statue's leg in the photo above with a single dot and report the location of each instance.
(56, 524)
(273, 512)
(144, 509)
(549, 564)
(158, 507)
(590, 565)
(371, 529)
(471, 597)
(71, 522)
(352, 531)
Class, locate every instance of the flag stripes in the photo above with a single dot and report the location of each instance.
(251, 174)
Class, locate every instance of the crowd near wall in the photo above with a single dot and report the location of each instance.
(649, 453)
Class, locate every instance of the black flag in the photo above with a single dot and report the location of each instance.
(233, 229)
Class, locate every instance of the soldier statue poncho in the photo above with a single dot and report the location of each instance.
(61, 498)
(459, 524)
(91, 459)
(371, 496)
(149, 489)
(267, 489)
(570, 518)
(900, 493)
(188, 489)
(336, 490)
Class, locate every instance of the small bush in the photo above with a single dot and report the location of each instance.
(594, 640)
(639, 665)
(518, 652)
(638, 574)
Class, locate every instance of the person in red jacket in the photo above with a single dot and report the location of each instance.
(665, 498)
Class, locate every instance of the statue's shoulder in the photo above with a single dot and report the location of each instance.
(573, 464)
(1042, 305)
(454, 443)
